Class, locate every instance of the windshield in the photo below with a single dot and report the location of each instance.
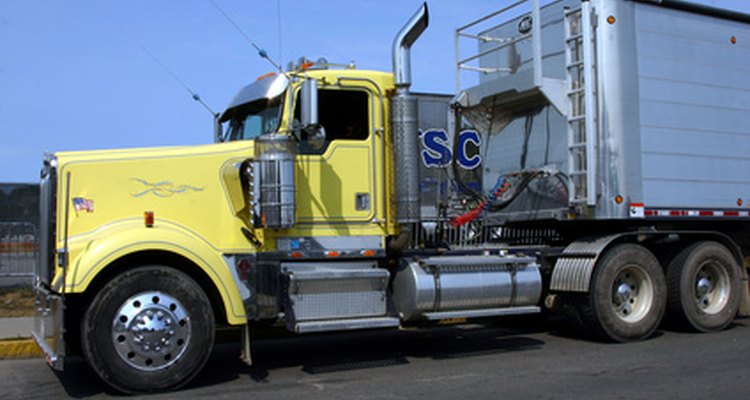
(254, 119)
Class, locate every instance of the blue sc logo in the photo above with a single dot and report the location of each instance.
(437, 151)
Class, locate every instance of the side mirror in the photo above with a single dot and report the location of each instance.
(309, 103)
(316, 134)
(218, 131)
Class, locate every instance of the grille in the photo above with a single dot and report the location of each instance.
(45, 268)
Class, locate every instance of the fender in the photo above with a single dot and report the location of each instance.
(93, 252)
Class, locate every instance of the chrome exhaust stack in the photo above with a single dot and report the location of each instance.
(402, 47)
(404, 119)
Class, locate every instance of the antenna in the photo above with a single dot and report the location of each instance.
(278, 16)
(194, 95)
(262, 53)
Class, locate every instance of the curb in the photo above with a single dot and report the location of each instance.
(20, 348)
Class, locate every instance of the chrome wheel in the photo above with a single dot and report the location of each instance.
(148, 329)
(632, 293)
(151, 331)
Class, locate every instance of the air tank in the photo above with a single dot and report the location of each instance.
(274, 180)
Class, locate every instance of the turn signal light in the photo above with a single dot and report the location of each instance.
(148, 219)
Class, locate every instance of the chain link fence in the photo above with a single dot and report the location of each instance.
(19, 245)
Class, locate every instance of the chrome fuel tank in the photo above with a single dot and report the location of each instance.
(436, 285)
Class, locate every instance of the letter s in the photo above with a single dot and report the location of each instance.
(436, 153)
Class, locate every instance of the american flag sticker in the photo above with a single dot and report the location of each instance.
(81, 204)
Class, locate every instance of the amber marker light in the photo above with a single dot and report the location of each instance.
(611, 19)
(148, 219)
(268, 75)
(733, 40)
(368, 253)
(618, 199)
(332, 253)
(740, 202)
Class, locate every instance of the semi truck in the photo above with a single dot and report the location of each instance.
(596, 164)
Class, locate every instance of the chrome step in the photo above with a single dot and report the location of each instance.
(346, 324)
(318, 295)
(490, 312)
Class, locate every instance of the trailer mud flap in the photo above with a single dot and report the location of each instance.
(744, 310)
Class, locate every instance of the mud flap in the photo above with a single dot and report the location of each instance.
(744, 310)
(48, 325)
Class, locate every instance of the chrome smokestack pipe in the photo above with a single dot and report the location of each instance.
(404, 127)
(402, 46)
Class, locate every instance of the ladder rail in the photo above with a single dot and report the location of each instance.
(536, 37)
(589, 87)
(581, 99)
(572, 191)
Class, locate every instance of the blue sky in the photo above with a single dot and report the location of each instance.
(74, 76)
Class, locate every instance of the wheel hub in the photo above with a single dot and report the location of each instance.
(632, 293)
(711, 288)
(151, 331)
(624, 293)
(702, 287)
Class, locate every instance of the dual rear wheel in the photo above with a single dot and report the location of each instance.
(630, 292)
(704, 287)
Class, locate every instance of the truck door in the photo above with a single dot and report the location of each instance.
(337, 183)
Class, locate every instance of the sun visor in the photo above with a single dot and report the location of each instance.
(265, 88)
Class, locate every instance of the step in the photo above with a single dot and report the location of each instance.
(575, 91)
(482, 313)
(330, 291)
(576, 118)
(346, 324)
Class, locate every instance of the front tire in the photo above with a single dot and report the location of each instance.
(149, 329)
(627, 295)
(704, 287)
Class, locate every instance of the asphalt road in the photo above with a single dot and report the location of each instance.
(550, 361)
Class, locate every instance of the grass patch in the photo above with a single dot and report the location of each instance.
(17, 302)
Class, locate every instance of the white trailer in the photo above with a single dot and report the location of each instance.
(623, 130)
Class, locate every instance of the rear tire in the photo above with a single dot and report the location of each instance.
(149, 329)
(704, 287)
(627, 295)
